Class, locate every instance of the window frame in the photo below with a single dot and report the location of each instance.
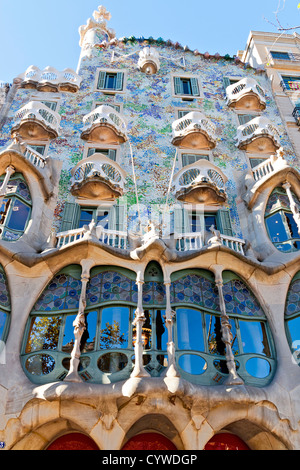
(93, 145)
(110, 91)
(185, 76)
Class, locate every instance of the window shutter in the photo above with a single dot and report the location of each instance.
(178, 221)
(112, 154)
(226, 82)
(224, 222)
(112, 219)
(178, 86)
(119, 81)
(121, 218)
(101, 80)
(195, 87)
(70, 216)
(244, 118)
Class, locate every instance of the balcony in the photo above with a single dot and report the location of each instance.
(200, 182)
(194, 241)
(104, 125)
(274, 168)
(246, 94)
(35, 121)
(258, 136)
(194, 131)
(50, 80)
(97, 177)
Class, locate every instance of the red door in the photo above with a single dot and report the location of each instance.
(226, 441)
(73, 441)
(149, 441)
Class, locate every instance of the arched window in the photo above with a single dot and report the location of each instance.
(281, 225)
(4, 308)
(15, 208)
(200, 349)
(292, 317)
(73, 441)
(149, 441)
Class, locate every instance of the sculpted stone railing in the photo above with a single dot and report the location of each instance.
(246, 94)
(114, 238)
(259, 134)
(36, 120)
(50, 79)
(194, 130)
(200, 182)
(97, 176)
(104, 124)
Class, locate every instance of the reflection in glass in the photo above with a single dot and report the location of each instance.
(19, 215)
(189, 329)
(258, 367)
(3, 317)
(112, 362)
(293, 327)
(68, 337)
(114, 327)
(44, 333)
(192, 364)
(161, 330)
(214, 336)
(88, 337)
(254, 338)
(40, 364)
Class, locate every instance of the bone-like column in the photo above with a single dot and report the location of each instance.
(169, 319)
(8, 172)
(293, 205)
(79, 325)
(139, 320)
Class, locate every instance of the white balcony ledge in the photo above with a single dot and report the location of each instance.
(194, 241)
(246, 94)
(104, 125)
(194, 131)
(273, 171)
(97, 177)
(258, 136)
(35, 121)
(50, 79)
(200, 182)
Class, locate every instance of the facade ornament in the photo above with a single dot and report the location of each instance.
(79, 325)
(215, 240)
(149, 61)
(169, 319)
(233, 377)
(97, 22)
(139, 320)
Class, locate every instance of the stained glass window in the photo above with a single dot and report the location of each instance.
(4, 304)
(292, 317)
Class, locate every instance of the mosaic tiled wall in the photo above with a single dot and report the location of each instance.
(150, 108)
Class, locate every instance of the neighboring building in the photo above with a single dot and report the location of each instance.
(150, 240)
(279, 54)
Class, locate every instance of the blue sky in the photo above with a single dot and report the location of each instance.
(42, 33)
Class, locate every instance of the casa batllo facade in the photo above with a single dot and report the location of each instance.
(150, 235)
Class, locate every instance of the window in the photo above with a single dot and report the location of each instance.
(292, 317)
(5, 307)
(15, 209)
(110, 153)
(186, 86)
(199, 345)
(280, 223)
(100, 216)
(38, 148)
(50, 104)
(199, 221)
(189, 158)
(291, 83)
(110, 81)
(282, 55)
(116, 107)
(244, 118)
(254, 160)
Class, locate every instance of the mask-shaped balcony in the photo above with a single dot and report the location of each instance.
(104, 125)
(148, 61)
(97, 177)
(193, 131)
(258, 136)
(50, 79)
(200, 183)
(246, 94)
(35, 121)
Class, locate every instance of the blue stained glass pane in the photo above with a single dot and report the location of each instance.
(3, 318)
(189, 329)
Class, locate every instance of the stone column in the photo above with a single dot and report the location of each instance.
(172, 369)
(8, 172)
(79, 325)
(139, 320)
(233, 378)
(293, 205)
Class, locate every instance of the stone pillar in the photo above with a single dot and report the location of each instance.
(79, 325)
(233, 378)
(172, 369)
(8, 172)
(139, 320)
(293, 205)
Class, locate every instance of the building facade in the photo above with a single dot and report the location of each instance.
(149, 253)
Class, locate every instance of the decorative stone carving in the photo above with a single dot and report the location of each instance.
(149, 61)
